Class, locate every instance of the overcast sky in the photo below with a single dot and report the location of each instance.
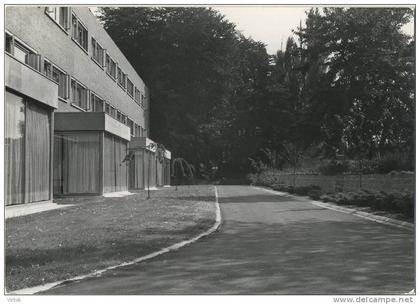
(271, 24)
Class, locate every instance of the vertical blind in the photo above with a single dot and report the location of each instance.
(136, 170)
(150, 169)
(14, 153)
(159, 173)
(27, 151)
(76, 163)
(115, 170)
(37, 177)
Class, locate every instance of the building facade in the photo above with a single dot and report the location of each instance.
(73, 106)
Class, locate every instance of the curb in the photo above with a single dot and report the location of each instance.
(214, 228)
(371, 217)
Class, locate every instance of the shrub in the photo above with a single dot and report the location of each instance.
(315, 194)
(334, 167)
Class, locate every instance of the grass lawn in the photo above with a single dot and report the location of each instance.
(98, 232)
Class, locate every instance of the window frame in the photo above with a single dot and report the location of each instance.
(76, 39)
(93, 102)
(73, 103)
(24, 47)
(124, 78)
(132, 85)
(67, 76)
(137, 95)
(142, 104)
(69, 14)
(113, 77)
(94, 48)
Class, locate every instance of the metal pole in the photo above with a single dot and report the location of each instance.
(148, 178)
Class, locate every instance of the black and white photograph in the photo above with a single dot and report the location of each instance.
(209, 149)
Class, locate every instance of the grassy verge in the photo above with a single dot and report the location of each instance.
(98, 232)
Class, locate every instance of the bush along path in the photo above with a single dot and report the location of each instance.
(99, 232)
(396, 205)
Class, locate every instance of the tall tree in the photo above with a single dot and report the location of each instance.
(365, 89)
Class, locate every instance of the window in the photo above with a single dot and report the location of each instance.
(98, 53)
(79, 33)
(8, 44)
(107, 108)
(47, 69)
(79, 95)
(110, 110)
(60, 15)
(138, 131)
(111, 66)
(137, 95)
(26, 150)
(76, 162)
(121, 77)
(23, 53)
(121, 117)
(142, 101)
(58, 76)
(113, 112)
(130, 88)
(97, 103)
(130, 123)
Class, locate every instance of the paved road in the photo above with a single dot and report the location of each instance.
(270, 244)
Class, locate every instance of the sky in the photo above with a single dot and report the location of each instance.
(271, 24)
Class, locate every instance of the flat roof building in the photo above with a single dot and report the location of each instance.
(73, 106)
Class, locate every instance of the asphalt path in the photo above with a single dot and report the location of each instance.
(271, 244)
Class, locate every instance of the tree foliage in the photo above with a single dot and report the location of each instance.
(343, 85)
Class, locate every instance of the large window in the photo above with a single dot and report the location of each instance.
(115, 169)
(59, 76)
(79, 95)
(79, 32)
(60, 15)
(111, 66)
(98, 53)
(76, 163)
(121, 77)
(130, 88)
(27, 151)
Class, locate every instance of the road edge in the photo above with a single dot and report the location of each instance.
(176, 246)
(371, 217)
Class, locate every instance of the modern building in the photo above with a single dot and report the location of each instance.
(75, 109)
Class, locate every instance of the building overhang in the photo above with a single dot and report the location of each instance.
(29, 82)
(143, 143)
(90, 121)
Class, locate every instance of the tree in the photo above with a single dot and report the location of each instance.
(365, 95)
